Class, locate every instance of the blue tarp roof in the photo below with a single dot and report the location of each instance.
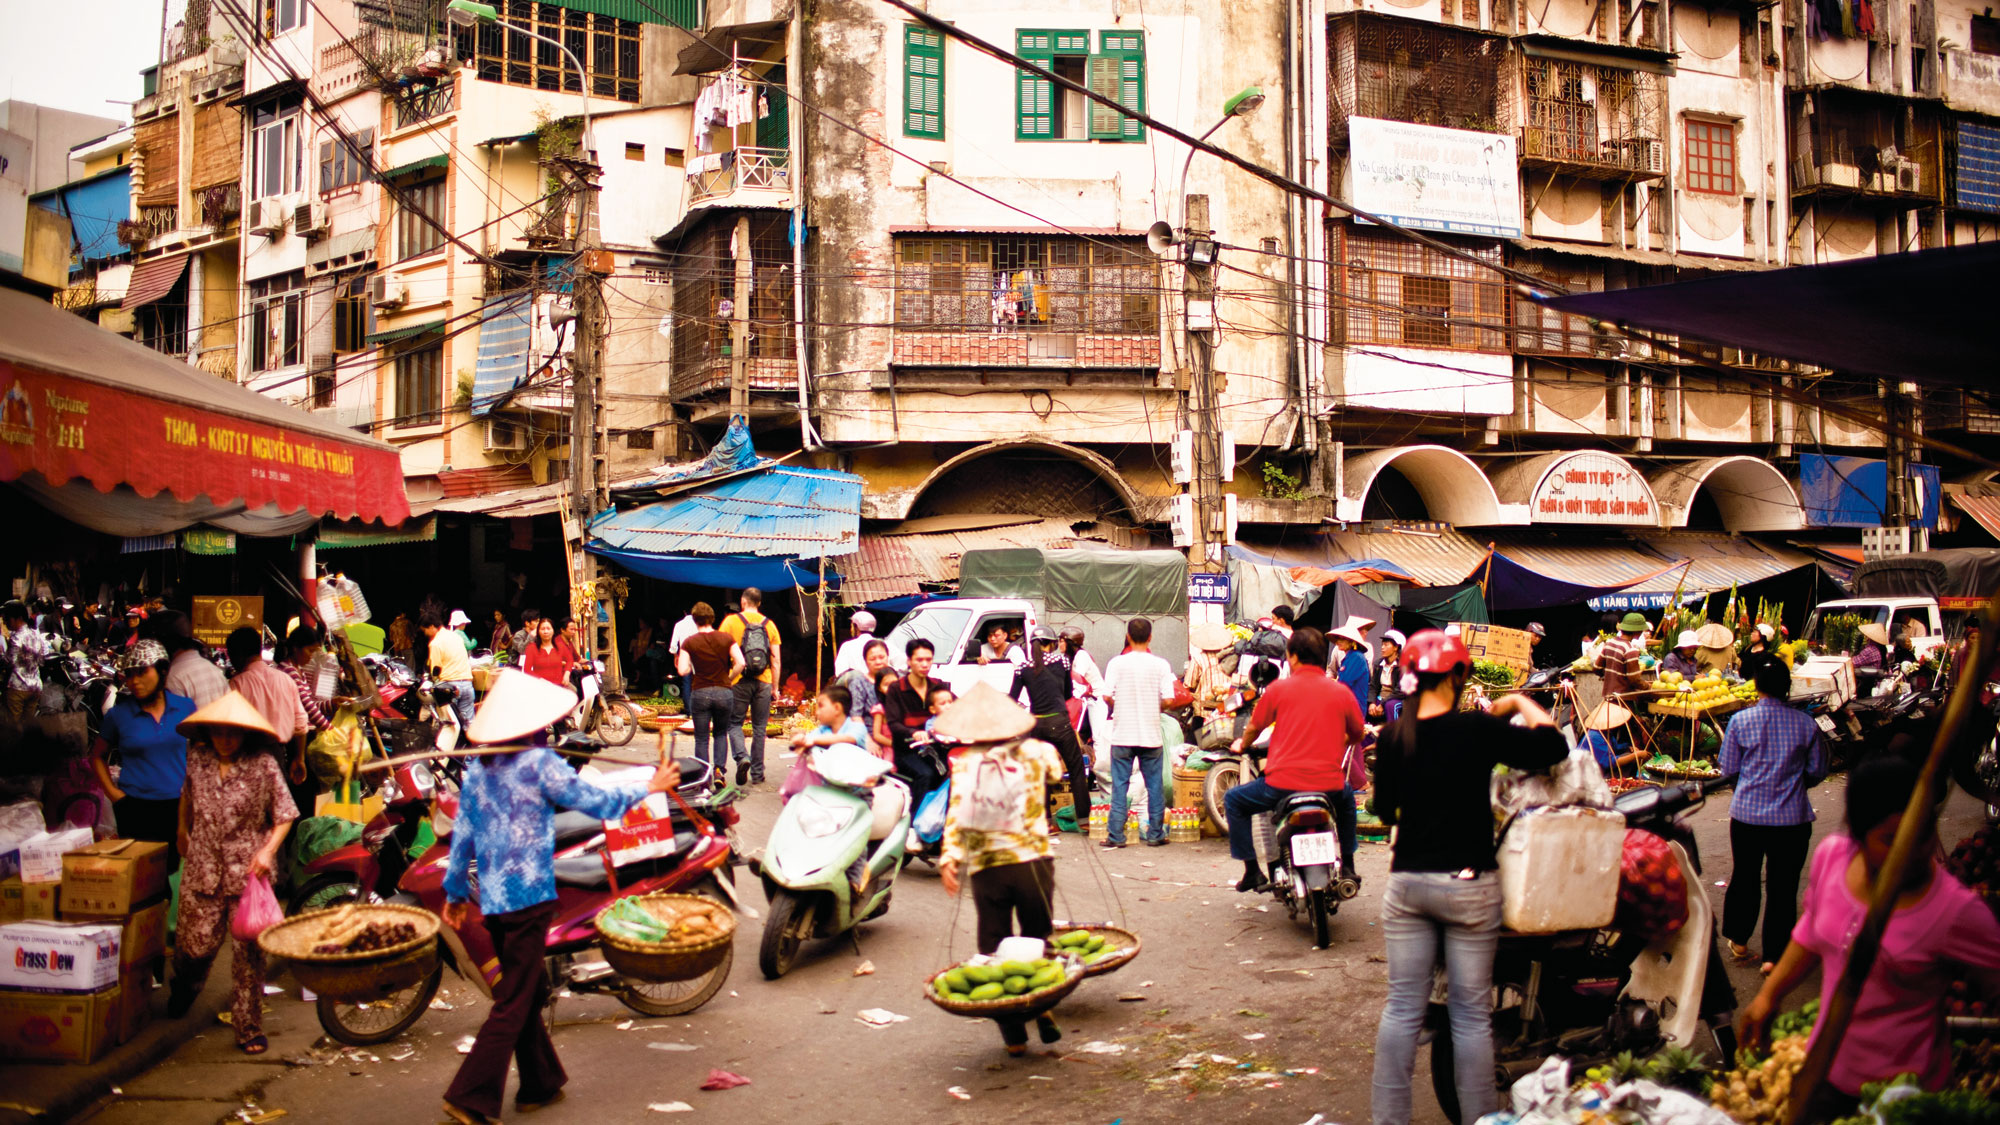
(732, 454)
(768, 527)
(504, 361)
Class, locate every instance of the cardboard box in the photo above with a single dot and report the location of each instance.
(60, 1028)
(42, 857)
(27, 902)
(370, 807)
(143, 933)
(59, 956)
(113, 877)
(1511, 647)
(135, 1002)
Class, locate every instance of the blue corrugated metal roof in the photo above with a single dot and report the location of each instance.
(780, 512)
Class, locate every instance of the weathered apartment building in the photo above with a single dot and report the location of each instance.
(905, 258)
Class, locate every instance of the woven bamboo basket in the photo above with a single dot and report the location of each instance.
(659, 964)
(355, 977)
(1128, 947)
(1023, 1007)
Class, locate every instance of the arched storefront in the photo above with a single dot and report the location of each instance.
(1748, 493)
(1451, 487)
(1023, 475)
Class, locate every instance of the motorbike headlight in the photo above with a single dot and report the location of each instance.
(817, 820)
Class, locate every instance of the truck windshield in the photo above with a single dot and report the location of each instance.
(941, 625)
(1834, 627)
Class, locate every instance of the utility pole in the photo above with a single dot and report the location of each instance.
(739, 320)
(1198, 306)
(590, 482)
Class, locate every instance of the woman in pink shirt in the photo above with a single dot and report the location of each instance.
(1899, 1021)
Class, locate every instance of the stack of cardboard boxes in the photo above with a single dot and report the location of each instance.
(78, 956)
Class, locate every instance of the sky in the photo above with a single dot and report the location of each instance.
(73, 56)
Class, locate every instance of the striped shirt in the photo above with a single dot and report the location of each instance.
(1775, 753)
(1619, 661)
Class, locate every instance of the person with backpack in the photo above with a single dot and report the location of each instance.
(757, 636)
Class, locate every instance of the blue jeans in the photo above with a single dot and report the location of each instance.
(1148, 758)
(462, 703)
(753, 701)
(711, 709)
(1420, 910)
(1259, 796)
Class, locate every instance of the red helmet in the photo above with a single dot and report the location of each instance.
(1435, 651)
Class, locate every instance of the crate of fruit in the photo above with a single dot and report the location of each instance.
(1102, 948)
(358, 952)
(990, 988)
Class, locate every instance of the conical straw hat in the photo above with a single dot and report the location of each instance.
(1608, 716)
(984, 715)
(1714, 635)
(1209, 637)
(1876, 633)
(517, 706)
(232, 710)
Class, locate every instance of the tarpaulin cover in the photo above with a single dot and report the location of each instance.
(733, 454)
(79, 402)
(1852, 491)
(1079, 580)
(1513, 586)
(1255, 589)
(1925, 317)
(725, 571)
(1441, 605)
(1966, 572)
(504, 333)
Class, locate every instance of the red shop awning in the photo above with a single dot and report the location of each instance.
(77, 401)
(154, 280)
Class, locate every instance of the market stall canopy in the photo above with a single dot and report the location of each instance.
(1966, 576)
(1131, 583)
(1922, 317)
(1716, 563)
(122, 439)
(765, 528)
(901, 563)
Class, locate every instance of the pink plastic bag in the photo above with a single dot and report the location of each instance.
(801, 775)
(257, 910)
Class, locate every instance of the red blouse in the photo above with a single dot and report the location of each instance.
(551, 664)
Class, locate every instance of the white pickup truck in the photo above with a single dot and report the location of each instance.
(956, 628)
(1893, 614)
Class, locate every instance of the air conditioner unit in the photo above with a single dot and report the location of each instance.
(1839, 175)
(386, 294)
(1910, 176)
(1653, 156)
(264, 216)
(503, 435)
(309, 219)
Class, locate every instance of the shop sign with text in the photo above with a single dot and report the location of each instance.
(1594, 488)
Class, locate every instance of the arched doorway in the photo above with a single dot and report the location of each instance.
(1418, 482)
(1027, 476)
(1734, 494)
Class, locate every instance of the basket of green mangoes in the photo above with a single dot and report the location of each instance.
(987, 987)
(1102, 948)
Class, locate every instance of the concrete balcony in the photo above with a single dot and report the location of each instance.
(740, 177)
(1972, 81)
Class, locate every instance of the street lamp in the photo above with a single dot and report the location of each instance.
(1245, 103)
(470, 13)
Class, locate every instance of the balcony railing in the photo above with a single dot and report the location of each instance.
(417, 106)
(1594, 121)
(740, 169)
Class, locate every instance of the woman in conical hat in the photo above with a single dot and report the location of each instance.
(235, 813)
(996, 827)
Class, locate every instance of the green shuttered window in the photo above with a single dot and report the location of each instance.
(1034, 96)
(1118, 71)
(923, 69)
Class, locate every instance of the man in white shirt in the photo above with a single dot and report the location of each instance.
(852, 654)
(683, 629)
(192, 673)
(999, 647)
(1135, 683)
(1088, 685)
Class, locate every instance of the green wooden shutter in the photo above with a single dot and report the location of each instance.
(1118, 71)
(1034, 97)
(923, 69)
(774, 129)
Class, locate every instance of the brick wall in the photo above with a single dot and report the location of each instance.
(1016, 349)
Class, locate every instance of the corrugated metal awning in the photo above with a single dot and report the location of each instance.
(413, 166)
(390, 335)
(504, 332)
(715, 51)
(909, 557)
(1435, 556)
(1985, 510)
(780, 512)
(154, 280)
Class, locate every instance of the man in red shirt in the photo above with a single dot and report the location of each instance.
(1315, 747)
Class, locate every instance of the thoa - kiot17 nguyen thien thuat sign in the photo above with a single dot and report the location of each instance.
(1593, 488)
(1423, 176)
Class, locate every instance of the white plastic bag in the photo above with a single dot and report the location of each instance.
(996, 793)
(1576, 780)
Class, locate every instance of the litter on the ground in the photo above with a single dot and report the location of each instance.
(1187, 1062)
(308, 996)
(464, 1045)
(1128, 997)
(878, 1017)
(720, 1079)
(624, 1025)
(441, 1006)
(1100, 1047)
(959, 1093)
(1222, 1060)
(1315, 1119)
(1254, 1036)
(671, 1107)
(1040, 1078)
(273, 990)
(865, 968)
(673, 1046)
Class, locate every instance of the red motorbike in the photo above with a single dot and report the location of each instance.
(377, 867)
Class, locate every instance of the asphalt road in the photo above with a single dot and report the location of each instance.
(1222, 974)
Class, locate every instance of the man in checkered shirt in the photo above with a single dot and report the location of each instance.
(1774, 753)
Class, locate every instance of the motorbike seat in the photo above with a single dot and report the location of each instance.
(888, 803)
(575, 828)
(1295, 800)
(586, 872)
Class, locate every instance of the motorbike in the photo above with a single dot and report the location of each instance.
(1591, 994)
(413, 714)
(856, 820)
(701, 862)
(608, 715)
(1305, 861)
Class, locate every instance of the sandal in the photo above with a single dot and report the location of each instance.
(1742, 953)
(255, 1045)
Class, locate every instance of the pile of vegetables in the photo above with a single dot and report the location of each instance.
(362, 935)
(1668, 762)
(1976, 863)
(1493, 674)
(1800, 1022)
(984, 979)
(1904, 1102)
(1706, 692)
(666, 921)
(1757, 1092)
(1977, 1067)
(1087, 947)
(1676, 1067)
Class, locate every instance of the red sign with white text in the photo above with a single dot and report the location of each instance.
(63, 427)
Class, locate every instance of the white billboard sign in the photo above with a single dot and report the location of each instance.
(1451, 180)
